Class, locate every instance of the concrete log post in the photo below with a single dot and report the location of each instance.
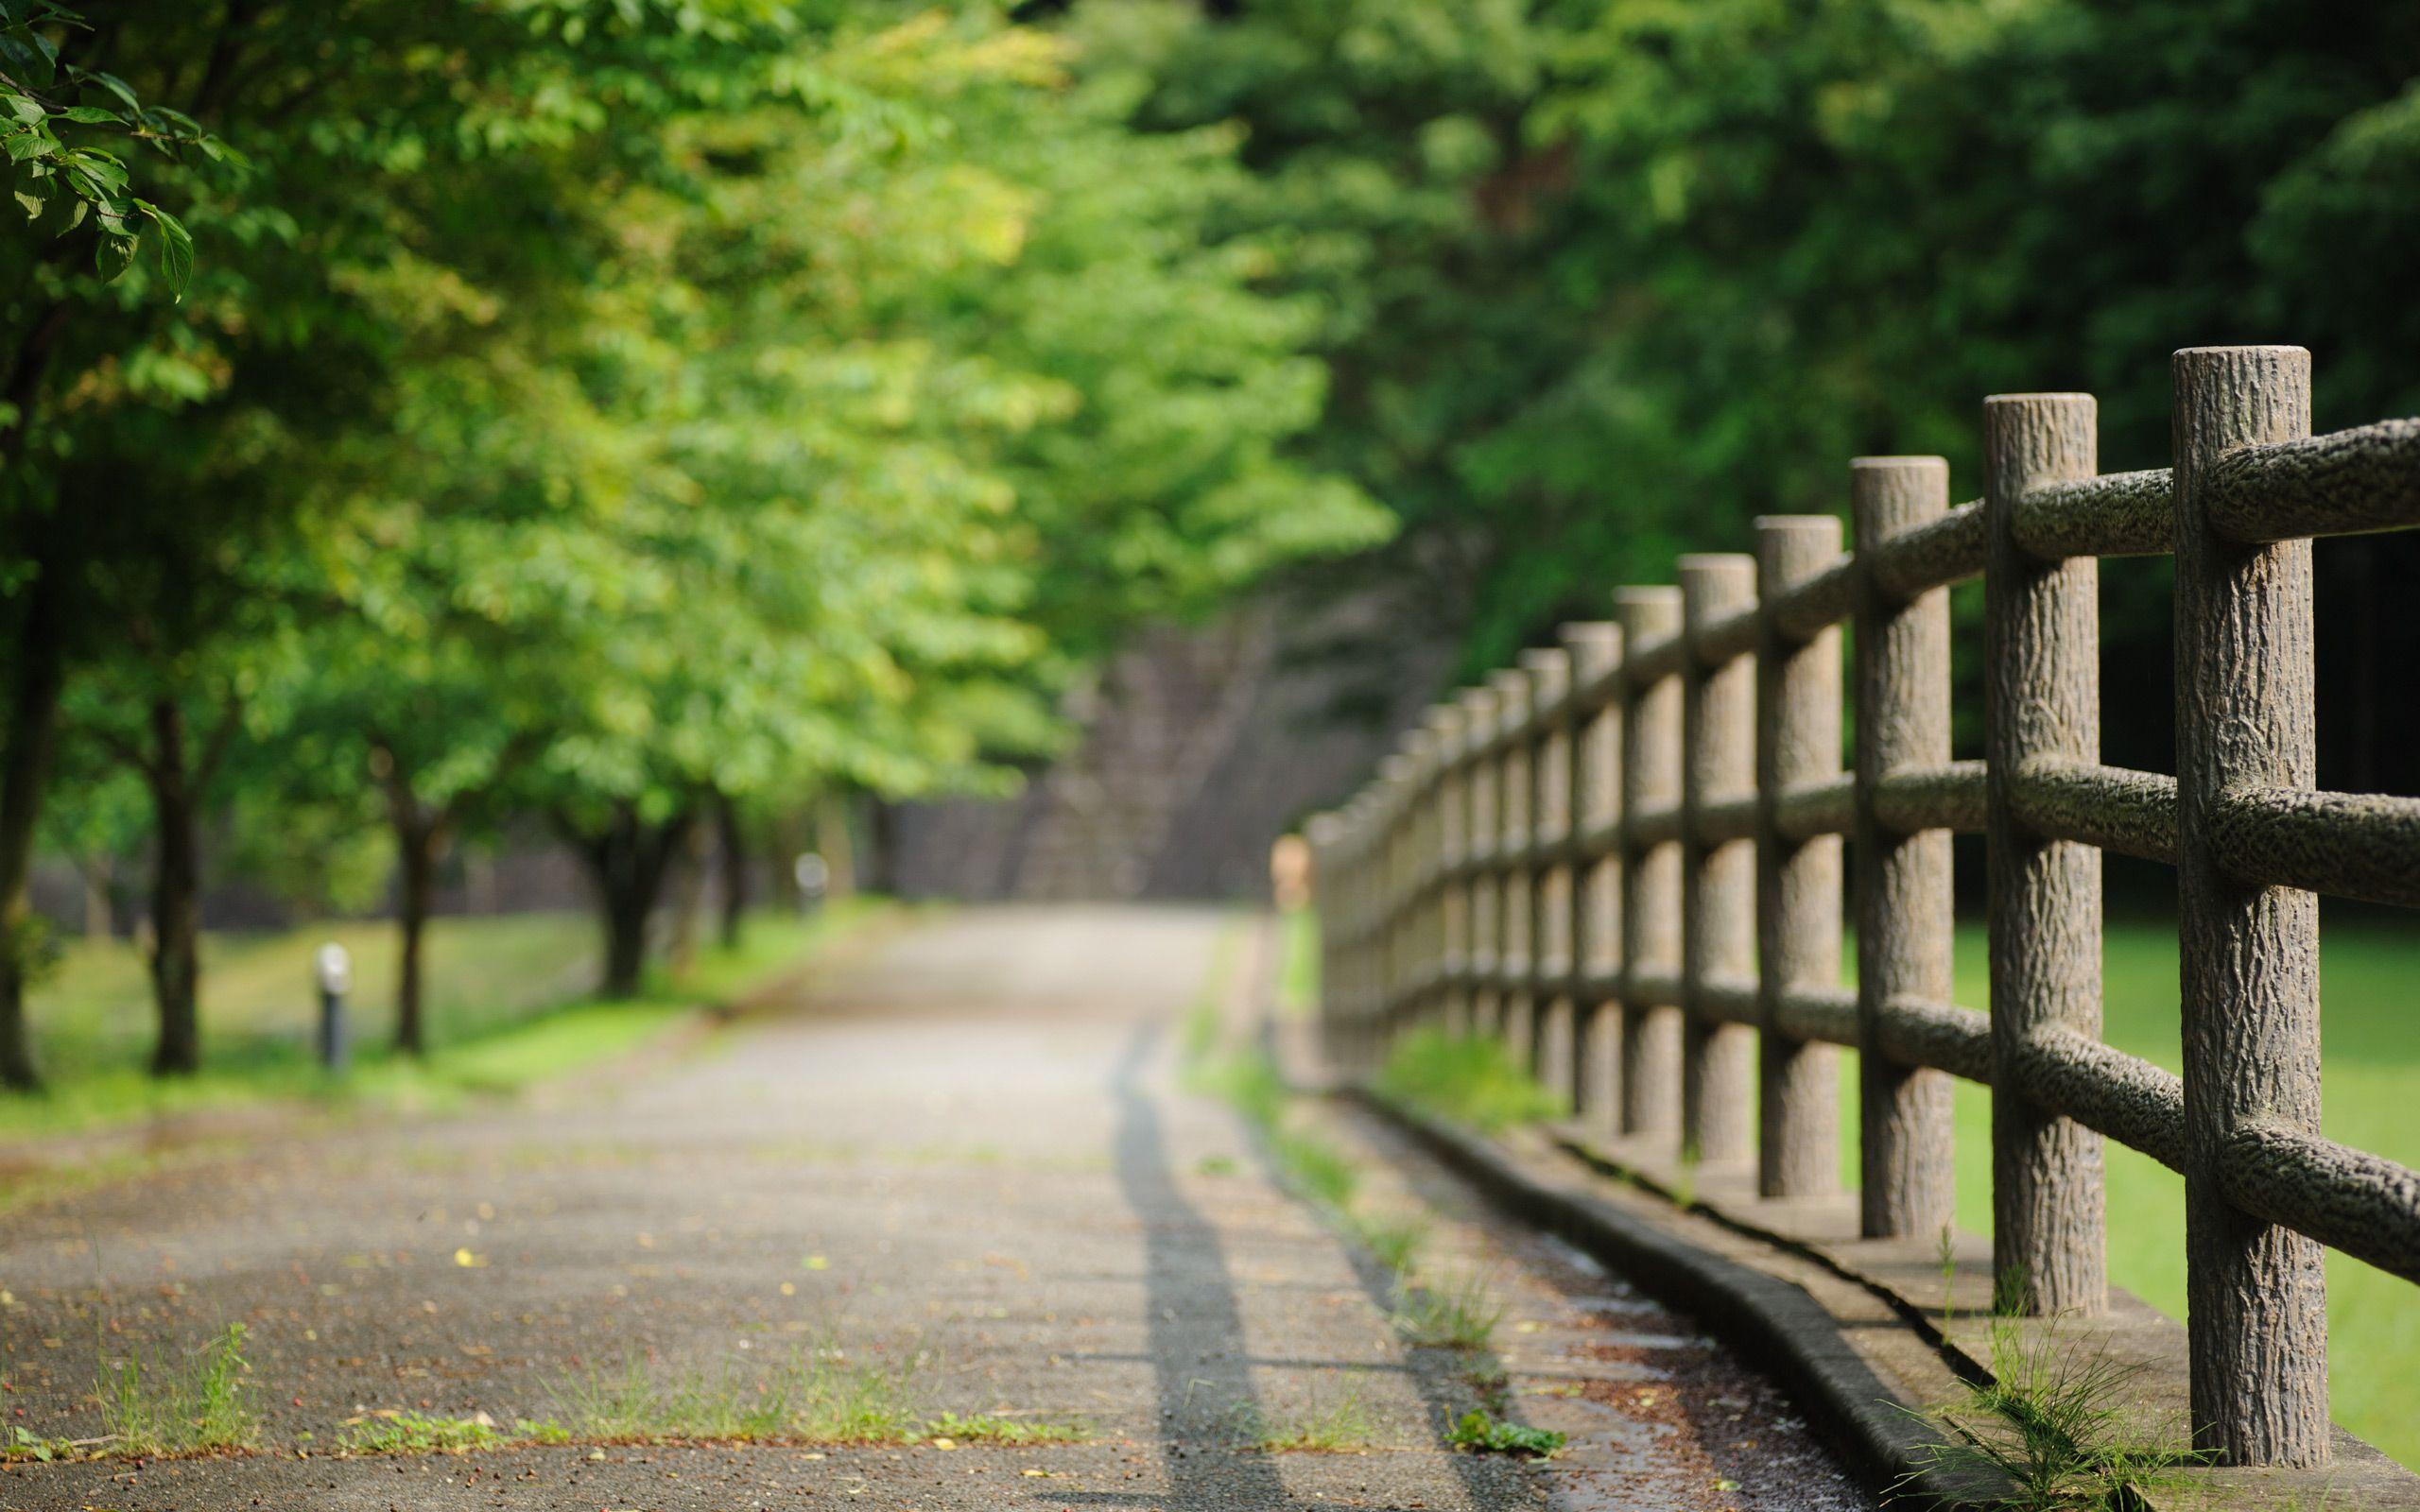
(1798, 882)
(1903, 880)
(1594, 1088)
(1650, 1052)
(1719, 897)
(1482, 824)
(2255, 1295)
(1396, 776)
(1514, 1005)
(1452, 917)
(1321, 835)
(2042, 699)
(1549, 674)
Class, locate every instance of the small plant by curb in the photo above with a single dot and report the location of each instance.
(1482, 1434)
(949, 1429)
(1335, 1424)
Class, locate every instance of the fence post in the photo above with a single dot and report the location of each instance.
(1445, 899)
(1549, 873)
(1650, 1056)
(1905, 1147)
(1513, 1005)
(1482, 827)
(1396, 779)
(1325, 895)
(2041, 698)
(2256, 1293)
(1595, 1090)
(1719, 896)
(1798, 882)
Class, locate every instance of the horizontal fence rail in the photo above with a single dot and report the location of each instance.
(1630, 858)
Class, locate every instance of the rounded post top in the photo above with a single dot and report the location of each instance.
(1909, 463)
(1646, 611)
(1594, 645)
(1715, 581)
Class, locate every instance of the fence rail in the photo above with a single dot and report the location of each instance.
(1635, 845)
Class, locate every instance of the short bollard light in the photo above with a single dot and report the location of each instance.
(333, 966)
(814, 876)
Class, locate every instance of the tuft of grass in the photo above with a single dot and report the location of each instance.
(991, 1428)
(1451, 1315)
(153, 1407)
(1329, 1424)
(1482, 1434)
(1317, 1168)
(1395, 1240)
(818, 1397)
(1472, 1081)
(413, 1432)
(2051, 1427)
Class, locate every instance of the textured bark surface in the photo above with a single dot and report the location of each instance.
(1480, 824)
(2359, 1203)
(2131, 813)
(2250, 954)
(1798, 882)
(2041, 698)
(2276, 489)
(1548, 671)
(2117, 514)
(1944, 548)
(1453, 899)
(2352, 845)
(1903, 901)
(28, 739)
(1596, 650)
(1718, 876)
(1651, 1053)
(1514, 889)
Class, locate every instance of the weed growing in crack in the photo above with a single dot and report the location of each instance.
(1454, 1313)
(2051, 1428)
(1482, 1434)
(991, 1427)
(154, 1406)
(1329, 1424)
(818, 1397)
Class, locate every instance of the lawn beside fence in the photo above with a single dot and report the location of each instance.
(2369, 978)
(509, 1002)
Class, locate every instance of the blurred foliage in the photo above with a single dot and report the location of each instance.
(1605, 279)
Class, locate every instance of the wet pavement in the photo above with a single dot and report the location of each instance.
(968, 1159)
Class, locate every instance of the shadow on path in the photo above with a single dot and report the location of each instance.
(1196, 1325)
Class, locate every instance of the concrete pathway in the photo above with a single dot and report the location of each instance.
(966, 1162)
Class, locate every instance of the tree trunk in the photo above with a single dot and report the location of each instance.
(626, 861)
(689, 898)
(176, 897)
(98, 917)
(734, 855)
(417, 847)
(421, 834)
(832, 841)
(24, 764)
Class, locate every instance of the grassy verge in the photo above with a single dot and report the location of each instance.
(2372, 1069)
(2372, 1060)
(506, 1001)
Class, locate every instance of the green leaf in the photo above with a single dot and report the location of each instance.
(114, 255)
(32, 203)
(34, 143)
(176, 248)
(113, 84)
(90, 115)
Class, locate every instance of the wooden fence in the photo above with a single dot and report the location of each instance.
(1634, 846)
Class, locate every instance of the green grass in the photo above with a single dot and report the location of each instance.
(992, 1427)
(1451, 1313)
(2371, 1059)
(1472, 1081)
(1482, 1434)
(2055, 1427)
(1298, 961)
(412, 1432)
(506, 1003)
(161, 1405)
(819, 1396)
(1334, 1422)
(1396, 1239)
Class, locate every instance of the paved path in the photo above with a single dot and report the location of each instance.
(967, 1157)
